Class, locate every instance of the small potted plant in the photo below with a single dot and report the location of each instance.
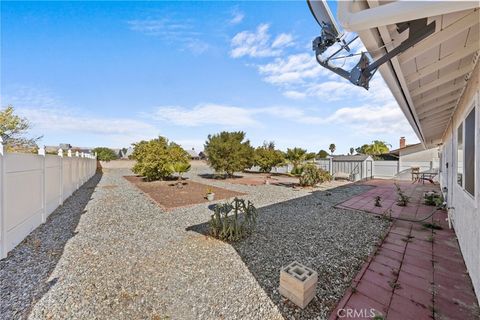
(378, 201)
(210, 195)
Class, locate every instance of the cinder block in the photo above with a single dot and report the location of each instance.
(298, 283)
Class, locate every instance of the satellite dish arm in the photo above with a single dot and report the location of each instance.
(361, 74)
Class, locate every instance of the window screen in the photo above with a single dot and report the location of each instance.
(469, 161)
(460, 155)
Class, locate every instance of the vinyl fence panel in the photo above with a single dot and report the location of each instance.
(385, 169)
(23, 196)
(53, 183)
(32, 187)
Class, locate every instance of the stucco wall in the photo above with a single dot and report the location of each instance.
(466, 213)
(419, 154)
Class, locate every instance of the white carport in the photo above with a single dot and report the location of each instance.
(436, 84)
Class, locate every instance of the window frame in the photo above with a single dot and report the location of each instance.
(473, 105)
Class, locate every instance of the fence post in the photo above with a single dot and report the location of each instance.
(77, 170)
(60, 154)
(330, 165)
(41, 152)
(3, 227)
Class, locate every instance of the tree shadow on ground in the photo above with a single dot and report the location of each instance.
(334, 242)
(25, 272)
(218, 176)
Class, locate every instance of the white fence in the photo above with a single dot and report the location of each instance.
(366, 169)
(385, 169)
(33, 186)
(400, 169)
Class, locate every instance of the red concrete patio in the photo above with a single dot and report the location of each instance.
(416, 272)
(416, 209)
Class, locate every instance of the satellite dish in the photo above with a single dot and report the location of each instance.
(321, 12)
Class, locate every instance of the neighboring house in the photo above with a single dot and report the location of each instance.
(194, 155)
(436, 85)
(416, 155)
(118, 152)
(128, 153)
(65, 147)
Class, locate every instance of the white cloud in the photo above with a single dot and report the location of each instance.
(283, 40)
(296, 68)
(206, 114)
(301, 77)
(257, 44)
(331, 90)
(50, 117)
(23, 96)
(342, 89)
(164, 28)
(182, 32)
(372, 119)
(237, 17)
(197, 46)
(61, 120)
(369, 118)
(292, 94)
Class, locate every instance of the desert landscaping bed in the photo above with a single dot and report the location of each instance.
(174, 194)
(117, 254)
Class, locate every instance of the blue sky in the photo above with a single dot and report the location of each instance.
(113, 73)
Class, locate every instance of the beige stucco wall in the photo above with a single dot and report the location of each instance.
(417, 153)
(465, 212)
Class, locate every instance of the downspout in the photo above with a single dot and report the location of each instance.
(353, 19)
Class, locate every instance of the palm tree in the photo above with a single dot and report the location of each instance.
(296, 157)
(332, 148)
(378, 147)
(352, 150)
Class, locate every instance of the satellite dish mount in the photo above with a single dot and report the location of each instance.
(364, 70)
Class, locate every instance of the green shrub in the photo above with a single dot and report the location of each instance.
(433, 199)
(322, 154)
(403, 199)
(266, 157)
(105, 154)
(158, 159)
(297, 171)
(228, 152)
(233, 221)
(311, 175)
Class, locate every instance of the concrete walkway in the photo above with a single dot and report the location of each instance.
(417, 272)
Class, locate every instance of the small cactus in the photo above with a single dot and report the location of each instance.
(233, 221)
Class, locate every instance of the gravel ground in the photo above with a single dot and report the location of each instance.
(118, 255)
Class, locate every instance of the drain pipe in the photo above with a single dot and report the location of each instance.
(356, 15)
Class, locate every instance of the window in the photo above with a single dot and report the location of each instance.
(469, 156)
(460, 155)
